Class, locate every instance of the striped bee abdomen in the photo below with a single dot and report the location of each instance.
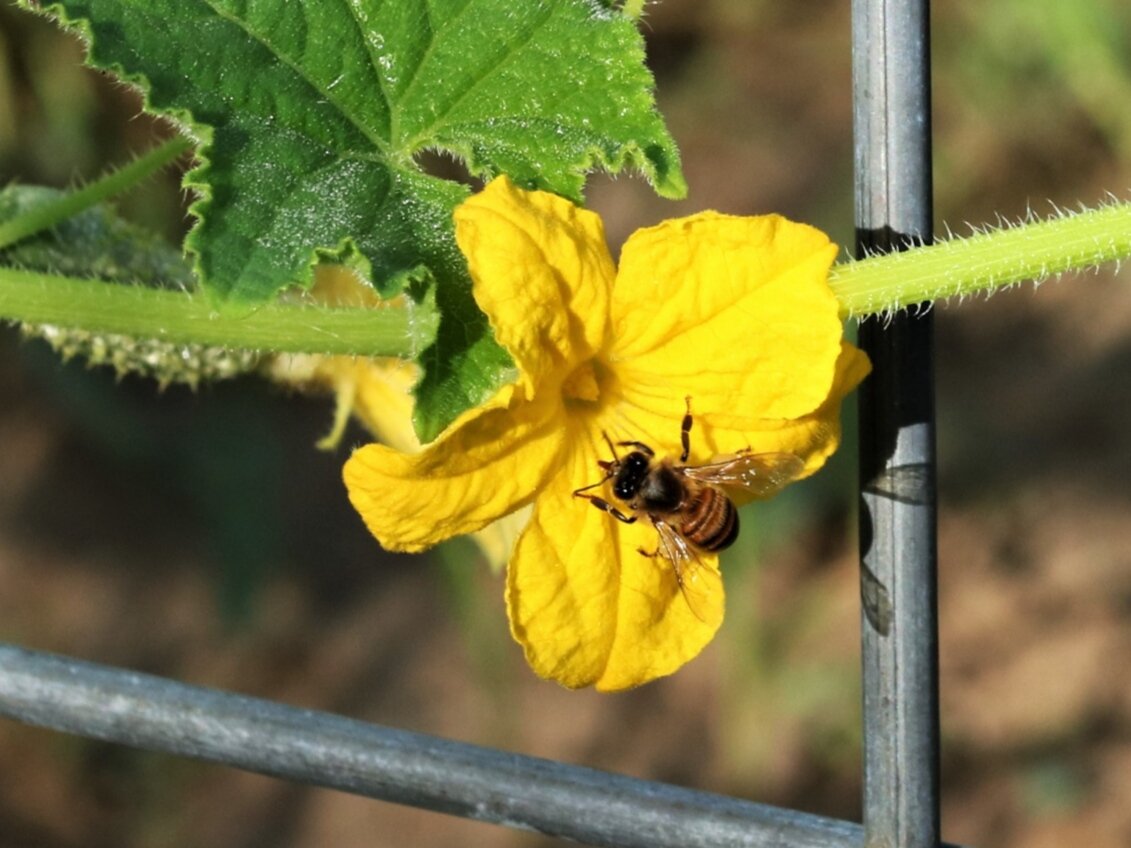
(710, 520)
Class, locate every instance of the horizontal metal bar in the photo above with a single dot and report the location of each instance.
(326, 750)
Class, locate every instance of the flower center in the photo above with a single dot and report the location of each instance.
(583, 384)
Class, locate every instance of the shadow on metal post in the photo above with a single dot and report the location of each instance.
(898, 556)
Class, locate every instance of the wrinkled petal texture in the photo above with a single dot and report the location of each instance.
(383, 404)
(736, 314)
(586, 605)
(733, 312)
(491, 461)
(813, 437)
(542, 273)
(496, 541)
(378, 393)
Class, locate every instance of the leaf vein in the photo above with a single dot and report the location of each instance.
(430, 35)
(374, 139)
(375, 64)
(420, 139)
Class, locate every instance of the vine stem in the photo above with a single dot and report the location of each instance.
(879, 285)
(52, 212)
(985, 261)
(404, 329)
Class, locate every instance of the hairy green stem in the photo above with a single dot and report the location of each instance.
(960, 266)
(183, 318)
(114, 183)
(985, 261)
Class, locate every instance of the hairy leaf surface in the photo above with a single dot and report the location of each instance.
(313, 113)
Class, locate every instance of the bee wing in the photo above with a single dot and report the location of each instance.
(757, 475)
(908, 484)
(697, 581)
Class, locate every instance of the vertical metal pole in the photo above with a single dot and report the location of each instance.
(891, 81)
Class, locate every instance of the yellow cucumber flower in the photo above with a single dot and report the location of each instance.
(375, 391)
(731, 312)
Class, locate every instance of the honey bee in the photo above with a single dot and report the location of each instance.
(690, 506)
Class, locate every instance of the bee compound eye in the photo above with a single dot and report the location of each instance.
(624, 489)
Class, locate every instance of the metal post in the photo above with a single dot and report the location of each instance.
(891, 80)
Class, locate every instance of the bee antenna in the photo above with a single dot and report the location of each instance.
(612, 450)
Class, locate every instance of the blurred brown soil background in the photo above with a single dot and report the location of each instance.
(201, 537)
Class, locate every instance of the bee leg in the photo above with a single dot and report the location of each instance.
(577, 492)
(605, 506)
(685, 431)
(645, 553)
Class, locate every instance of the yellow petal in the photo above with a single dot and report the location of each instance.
(498, 538)
(587, 606)
(734, 312)
(378, 391)
(657, 633)
(383, 400)
(641, 414)
(338, 286)
(489, 462)
(542, 273)
(814, 437)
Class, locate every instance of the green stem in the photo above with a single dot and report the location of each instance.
(114, 183)
(984, 261)
(181, 318)
(961, 266)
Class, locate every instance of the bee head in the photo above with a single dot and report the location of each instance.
(630, 474)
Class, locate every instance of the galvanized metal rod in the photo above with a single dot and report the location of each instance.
(320, 749)
(891, 80)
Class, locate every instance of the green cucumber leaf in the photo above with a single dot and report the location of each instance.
(312, 114)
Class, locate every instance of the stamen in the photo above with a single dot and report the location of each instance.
(582, 384)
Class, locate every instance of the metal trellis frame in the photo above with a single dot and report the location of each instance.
(898, 560)
(898, 570)
(320, 749)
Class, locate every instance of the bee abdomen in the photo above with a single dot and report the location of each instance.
(710, 521)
